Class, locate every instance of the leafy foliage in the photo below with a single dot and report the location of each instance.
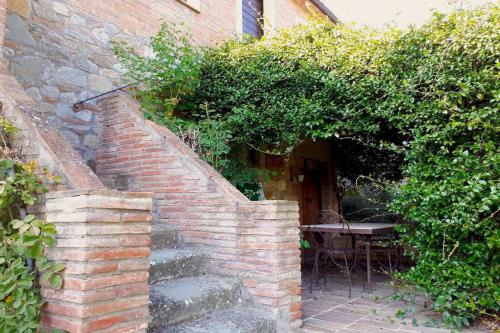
(167, 77)
(428, 96)
(171, 73)
(22, 243)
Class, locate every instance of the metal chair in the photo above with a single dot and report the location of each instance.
(387, 244)
(323, 246)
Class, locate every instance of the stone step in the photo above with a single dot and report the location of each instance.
(164, 236)
(168, 264)
(179, 300)
(239, 319)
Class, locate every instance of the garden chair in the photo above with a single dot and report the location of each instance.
(325, 251)
(386, 244)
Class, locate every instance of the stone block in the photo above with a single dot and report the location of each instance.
(46, 12)
(48, 108)
(71, 77)
(51, 92)
(49, 74)
(29, 69)
(64, 111)
(85, 64)
(61, 9)
(20, 7)
(99, 83)
(90, 141)
(34, 93)
(17, 30)
(67, 97)
(78, 20)
(84, 115)
(72, 137)
(100, 35)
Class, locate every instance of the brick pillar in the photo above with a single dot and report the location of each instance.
(269, 258)
(104, 240)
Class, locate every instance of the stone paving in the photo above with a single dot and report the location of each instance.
(328, 308)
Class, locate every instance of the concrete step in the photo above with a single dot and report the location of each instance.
(239, 319)
(168, 264)
(164, 236)
(179, 300)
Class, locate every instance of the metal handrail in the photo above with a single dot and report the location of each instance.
(78, 105)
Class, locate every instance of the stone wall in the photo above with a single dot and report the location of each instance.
(255, 241)
(285, 183)
(60, 51)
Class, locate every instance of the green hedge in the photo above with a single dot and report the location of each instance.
(429, 94)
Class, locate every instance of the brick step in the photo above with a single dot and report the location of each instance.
(184, 299)
(164, 236)
(239, 319)
(168, 264)
(166, 197)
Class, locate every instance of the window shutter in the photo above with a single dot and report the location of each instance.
(252, 14)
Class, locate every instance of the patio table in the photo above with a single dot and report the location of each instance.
(366, 230)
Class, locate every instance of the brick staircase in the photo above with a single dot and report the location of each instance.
(183, 298)
(219, 262)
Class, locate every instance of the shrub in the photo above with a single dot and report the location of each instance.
(22, 243)
(429, 95)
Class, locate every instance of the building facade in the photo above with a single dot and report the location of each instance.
(61, 52)
(57, 53)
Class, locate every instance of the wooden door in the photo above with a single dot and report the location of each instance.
(311, 197)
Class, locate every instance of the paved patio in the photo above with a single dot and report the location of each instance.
(328, 308)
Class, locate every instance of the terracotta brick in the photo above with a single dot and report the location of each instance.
(65, 323)
(109, 321)
(91, 296)
(119, 253)
(90, 267)
(105, 281)
(295, 307)
(250, 283)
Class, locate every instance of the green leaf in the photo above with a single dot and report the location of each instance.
(56, 281)
(36, 250)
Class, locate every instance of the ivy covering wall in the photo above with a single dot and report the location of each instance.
(429, 95)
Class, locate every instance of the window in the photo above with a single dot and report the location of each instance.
(252, 17)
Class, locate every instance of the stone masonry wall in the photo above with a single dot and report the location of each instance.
(103, 236)
(36, 139)
(60, 50)
(256, 241)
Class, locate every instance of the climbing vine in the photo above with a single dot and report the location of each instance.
(23, 239)
(427, 96)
